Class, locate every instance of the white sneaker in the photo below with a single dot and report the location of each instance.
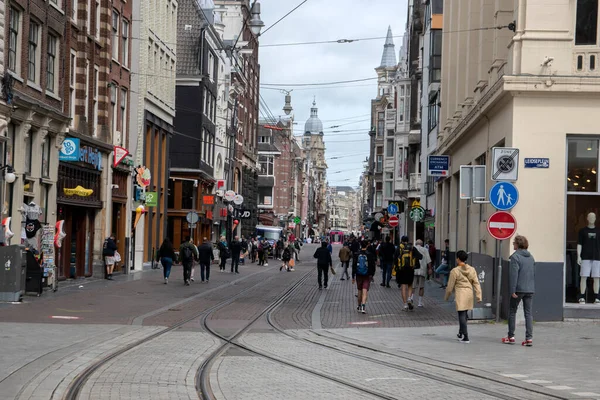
(266, 265)
(420, 304)
(597, 301)
(166, 280)
(581, 300)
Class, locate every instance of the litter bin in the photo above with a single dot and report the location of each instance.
(12, 272)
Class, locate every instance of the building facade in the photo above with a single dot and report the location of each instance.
(193, 147)
(342, 209)
(315, 168)
(242, 46)
(530, 86)
(33, 115)
(153, 69)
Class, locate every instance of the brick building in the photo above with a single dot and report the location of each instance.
(33, 108)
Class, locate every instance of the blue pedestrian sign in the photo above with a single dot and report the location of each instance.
(393, 209)
(504, 196)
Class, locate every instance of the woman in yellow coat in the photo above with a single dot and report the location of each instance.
(463, 279)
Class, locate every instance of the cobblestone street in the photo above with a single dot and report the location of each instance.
(136, 338)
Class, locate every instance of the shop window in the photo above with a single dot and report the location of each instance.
(586, 24)
(582, 165)
(187, 193)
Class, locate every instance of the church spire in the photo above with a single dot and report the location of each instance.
(388, 59)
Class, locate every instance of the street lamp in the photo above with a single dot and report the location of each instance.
(9, 175)
(255, 23)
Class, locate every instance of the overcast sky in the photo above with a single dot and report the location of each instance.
(347, 104)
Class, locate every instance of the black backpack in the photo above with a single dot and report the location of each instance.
(186, 254)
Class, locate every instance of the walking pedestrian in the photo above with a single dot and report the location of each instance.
(253, 250)
(463, 279)
(224, 253)
(365, 270)
(293, 252)
(432, 254)
(205, 258)
(278, 249)
(187, 253)
(329, 248)
(324, 262)
(386, 254)
(166, 255)
(420, 273)
(286, 256)
(444, 268)
(406, 258)
(355, 249)
(194, 263)
(345, 254)
(108, 251)
(521, 284)
(235, 247)
(298, 247)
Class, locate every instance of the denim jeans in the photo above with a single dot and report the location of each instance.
(167, 263)
(204, 271)
(462, 323)
(345, 265)
(386, 273)
(514, 305)
(444, 270)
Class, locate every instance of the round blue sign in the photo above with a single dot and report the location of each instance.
(504, 196)
(392, 209)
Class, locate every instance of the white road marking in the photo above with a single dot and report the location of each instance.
(559, 387)
(587, 394)
(537, 381)
(63, 317)
(364, 323)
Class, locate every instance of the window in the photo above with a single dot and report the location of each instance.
(435, 61)
(586, 24)
(34, 37)
(266, 165)
(379, 165)
(52, 60)
(432, 115)
(97, 30)
(204, 143)
(115, 36)
(88, 25)
(95, 99)
(125, 44)
(265, 196)
(13, 42)
(74, 12)
(87, 90)
(380, 123)
(123, 113)
(264, 139)
(389, 149)
(389, 190)
(46, 158)
(437, 6)
(582, 166)
(113, 105)
(187, 194)
(28, 152)
(211, 66)
(73, 67)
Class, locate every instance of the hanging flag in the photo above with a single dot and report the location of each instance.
(119, 153)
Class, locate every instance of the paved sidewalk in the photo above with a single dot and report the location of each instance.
(565, 356)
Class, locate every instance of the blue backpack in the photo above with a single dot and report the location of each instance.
(363, 265)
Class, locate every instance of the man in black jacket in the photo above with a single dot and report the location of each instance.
(205, 257)
(324, 261)
(109, 255)
(355, 249)
(236, 248)
(386, 252)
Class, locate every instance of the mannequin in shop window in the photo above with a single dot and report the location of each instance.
(588, 257)
(31, 225)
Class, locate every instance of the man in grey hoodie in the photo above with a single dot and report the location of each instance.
(521, 283)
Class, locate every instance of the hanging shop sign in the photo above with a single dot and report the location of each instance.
(78, 191)
(69, 151)
(143, 176)
(229, 195)
(152, 199)
(91, 155)
(208, 200)
(119, 154)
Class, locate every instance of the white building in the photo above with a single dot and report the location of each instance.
(154, 58)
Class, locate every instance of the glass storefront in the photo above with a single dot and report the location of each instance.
(583, 198)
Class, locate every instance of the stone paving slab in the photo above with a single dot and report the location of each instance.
(163, 368)
(564, 354)
(251, 378)
(53, 355)
(376, 377)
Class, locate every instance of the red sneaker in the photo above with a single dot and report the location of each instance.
(528, 343)
(508, 340)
